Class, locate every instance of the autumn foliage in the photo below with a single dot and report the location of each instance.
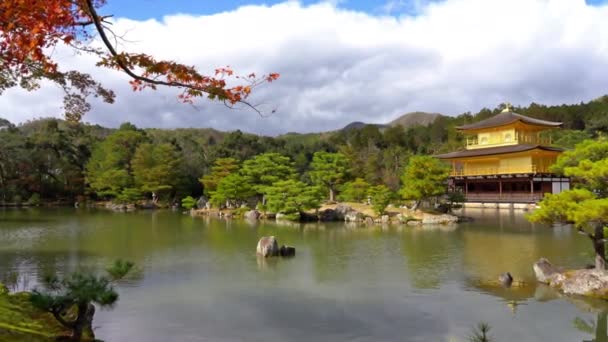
(31, 29)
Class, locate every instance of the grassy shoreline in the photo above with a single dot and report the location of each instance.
(20, 321)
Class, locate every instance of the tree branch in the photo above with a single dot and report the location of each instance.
(91, 22)
(583, 232)
(97, 21)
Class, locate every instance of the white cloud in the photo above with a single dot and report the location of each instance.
(339, 66)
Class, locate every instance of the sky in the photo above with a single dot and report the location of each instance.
(346, 60)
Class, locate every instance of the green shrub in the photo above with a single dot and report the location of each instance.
(381, 197)
(34, 199)
(129, 195)
(188, 202)
(240, 211)
(355, 191)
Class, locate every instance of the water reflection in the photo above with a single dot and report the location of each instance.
(200, 278)
(598, 328)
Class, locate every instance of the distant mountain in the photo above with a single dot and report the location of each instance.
(405, 120)
(414, 119)
(358, 125)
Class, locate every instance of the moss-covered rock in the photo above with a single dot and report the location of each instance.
(20, 321)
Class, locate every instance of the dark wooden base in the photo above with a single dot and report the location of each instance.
(521, 188)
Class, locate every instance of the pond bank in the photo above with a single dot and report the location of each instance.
(20, 321)
(340, 212)
(583, 282)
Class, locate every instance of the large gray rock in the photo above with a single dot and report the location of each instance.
(505, 279)
(201, 203)
(545, 272)
(353, 216)
(585, 282)
(342, 209)
(267, 246)
(252, 215)
(439, 219)
(329, 215)
(385, 219)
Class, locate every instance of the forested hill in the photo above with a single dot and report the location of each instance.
(54, 159)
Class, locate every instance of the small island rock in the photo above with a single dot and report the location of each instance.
(287, 251)
(268, 246)
(505, 279)
(439, 219)
(544, 271)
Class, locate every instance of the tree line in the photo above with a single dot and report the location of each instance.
(56, 160)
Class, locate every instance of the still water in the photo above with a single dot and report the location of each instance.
(199, 279)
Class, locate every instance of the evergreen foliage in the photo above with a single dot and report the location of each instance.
(354, 191)
(221, 168)
(380, 196)
(329, 170)
(155, 168)
(233, 190)
(424, 177)
(109, 168)
(586, 206)
(266, 169)
(71, 299)
(291, 197)
(62, 161)
(188, 202)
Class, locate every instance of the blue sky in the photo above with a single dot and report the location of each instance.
(145, 9)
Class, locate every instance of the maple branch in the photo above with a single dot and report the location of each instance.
(120, 62)
(91, 22)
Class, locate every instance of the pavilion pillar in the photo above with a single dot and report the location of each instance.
(499, 188)
(531, 188)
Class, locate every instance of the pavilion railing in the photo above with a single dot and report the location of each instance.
(520, 138)
(523, 197)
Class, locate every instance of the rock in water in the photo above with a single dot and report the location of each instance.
(505, 279)
(439, 219)
(287, 251)
(544, 271)
(268, 246)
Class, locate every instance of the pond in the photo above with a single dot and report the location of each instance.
(199, 279)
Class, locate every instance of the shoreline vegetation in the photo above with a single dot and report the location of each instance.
(21, 321)
(340, 212)
(49, 159)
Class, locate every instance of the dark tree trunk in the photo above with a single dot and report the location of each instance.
(84, 322)
(599, 247)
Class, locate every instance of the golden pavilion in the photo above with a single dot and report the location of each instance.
(506, 159)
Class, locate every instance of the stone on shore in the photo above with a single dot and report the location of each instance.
(252, 215)
(583, 282)
(545, 272)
